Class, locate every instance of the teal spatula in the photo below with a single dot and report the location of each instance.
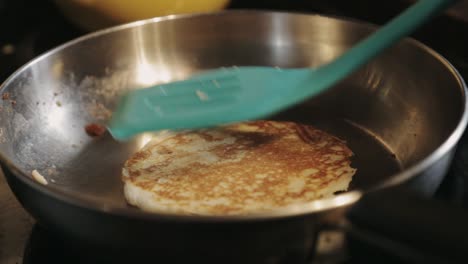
(244, 93)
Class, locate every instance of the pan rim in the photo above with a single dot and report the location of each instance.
(312, 207)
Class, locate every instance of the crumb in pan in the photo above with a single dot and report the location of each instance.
(95, 130)
(38, 177)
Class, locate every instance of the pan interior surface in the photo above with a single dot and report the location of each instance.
(391, 115)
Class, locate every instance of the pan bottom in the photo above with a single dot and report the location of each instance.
(374, 160)
(97, 178)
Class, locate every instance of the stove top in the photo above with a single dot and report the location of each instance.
(30, 27)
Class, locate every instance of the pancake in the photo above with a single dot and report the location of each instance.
(236, 169)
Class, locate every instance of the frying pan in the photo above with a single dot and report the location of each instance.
(402, 115)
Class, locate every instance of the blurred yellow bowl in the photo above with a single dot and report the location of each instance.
(97, 14)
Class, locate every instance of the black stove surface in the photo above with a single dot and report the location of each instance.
(31, 27)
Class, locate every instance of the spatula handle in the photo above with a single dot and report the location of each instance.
(398, 27)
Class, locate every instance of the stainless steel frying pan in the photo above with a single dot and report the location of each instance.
(402, 115)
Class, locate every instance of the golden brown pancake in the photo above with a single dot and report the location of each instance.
(237, 169)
